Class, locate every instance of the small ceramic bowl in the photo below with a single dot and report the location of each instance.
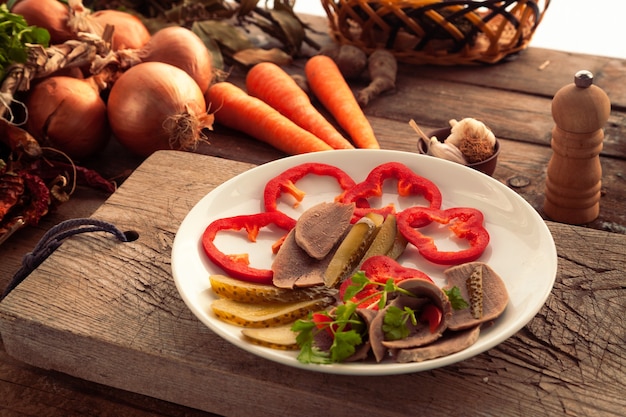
(488, 166)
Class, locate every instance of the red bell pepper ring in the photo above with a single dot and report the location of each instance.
(237, 265)
(409, 183)
(380, 268)
(286, 182)
(465, 222)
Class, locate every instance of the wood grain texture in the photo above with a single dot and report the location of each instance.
(126, 326)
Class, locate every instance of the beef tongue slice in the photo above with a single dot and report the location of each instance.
(474, 279)
(451, 342)
(292, 264)
(320, 227)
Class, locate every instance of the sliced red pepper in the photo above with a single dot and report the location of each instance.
(465, 222)
(380, 268)
(432, 315)
(323, 322)
(237, 265)
(286, 182)
(409, 183)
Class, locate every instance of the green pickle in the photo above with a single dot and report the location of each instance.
(384, 240)
(352, 248)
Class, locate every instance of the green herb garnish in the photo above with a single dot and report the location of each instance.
(15, 34)
(456, 299)
(395, 322)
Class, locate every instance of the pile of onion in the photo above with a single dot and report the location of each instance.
(68, 114)
(156, 106)
(158, 103)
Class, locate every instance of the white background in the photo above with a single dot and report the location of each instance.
(596, 27)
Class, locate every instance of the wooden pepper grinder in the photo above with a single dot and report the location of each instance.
(574, 175)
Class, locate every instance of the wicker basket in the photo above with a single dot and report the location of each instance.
(439, 32)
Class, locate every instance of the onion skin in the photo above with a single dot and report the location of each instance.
(129, 32)
(68, 114)
(47, 14)
(179, 46)
(157, 106)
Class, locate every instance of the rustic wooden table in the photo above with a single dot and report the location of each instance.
(99, 328)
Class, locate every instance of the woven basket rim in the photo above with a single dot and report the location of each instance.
(437, 32)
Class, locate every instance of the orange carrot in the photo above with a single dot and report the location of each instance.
(238, 110)
(273, 85)
(332, 90)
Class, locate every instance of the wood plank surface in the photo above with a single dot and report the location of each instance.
(120, 322)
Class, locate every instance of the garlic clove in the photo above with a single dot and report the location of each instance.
(445, 151)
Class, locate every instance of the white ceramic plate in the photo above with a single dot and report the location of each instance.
(521, 249)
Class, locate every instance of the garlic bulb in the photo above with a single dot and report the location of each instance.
(475, 140)
(445, 151)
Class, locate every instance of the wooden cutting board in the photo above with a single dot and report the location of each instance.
(109, 312)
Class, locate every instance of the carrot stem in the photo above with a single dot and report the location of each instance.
(273, 85)
(332, 90)
(240, 111)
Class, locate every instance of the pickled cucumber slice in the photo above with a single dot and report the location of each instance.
(247, 292)
(384, 240)
(281, 337)
(265, 315)
(352, 249)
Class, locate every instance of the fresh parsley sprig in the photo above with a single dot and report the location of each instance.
(456, 299)
(395, 322)
(15, 35)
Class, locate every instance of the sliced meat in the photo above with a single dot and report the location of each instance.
(292, 264)
(419, 333)
(495, 296)
(362, 352)
(319, 228)
(425, 293)
(451, 342)
(377, 336)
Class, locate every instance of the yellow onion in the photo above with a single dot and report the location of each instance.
(129, 32)
(182, 48)
(155, 106)
(68, 114)
(51, 15)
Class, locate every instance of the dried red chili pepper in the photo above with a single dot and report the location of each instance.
(39, 201)
(409, 183)
(286, 182)
(84, 176)
(465, 222)
(11, 190)
(237, 265)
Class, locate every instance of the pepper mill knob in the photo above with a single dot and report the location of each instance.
(574, 176)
